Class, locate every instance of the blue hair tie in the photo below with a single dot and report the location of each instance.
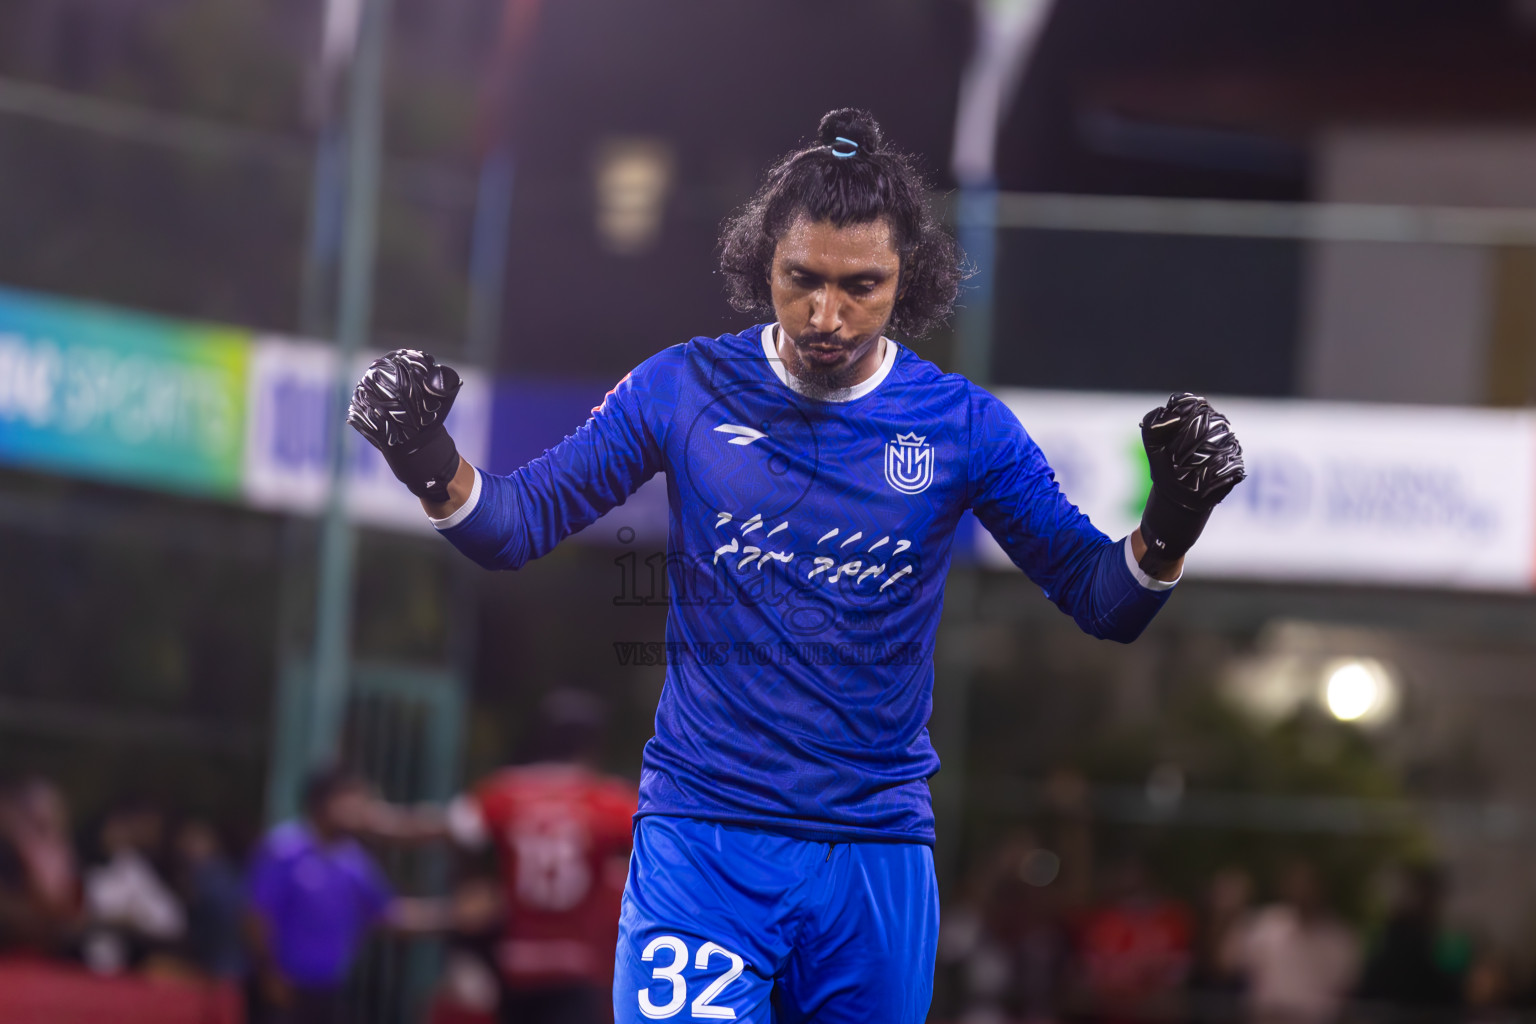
(844, 148)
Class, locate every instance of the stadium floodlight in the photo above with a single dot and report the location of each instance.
(633, 178)
(1359, 690)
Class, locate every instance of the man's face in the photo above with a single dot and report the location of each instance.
(44, 808)
(345, 810)
(1300, 887)
(834, 290)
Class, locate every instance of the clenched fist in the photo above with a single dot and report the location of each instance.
(1195, 462)
(399, 406)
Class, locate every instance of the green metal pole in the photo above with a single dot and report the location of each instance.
(338, 541)
(290, 737)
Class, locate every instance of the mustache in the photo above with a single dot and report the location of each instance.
(828, 340)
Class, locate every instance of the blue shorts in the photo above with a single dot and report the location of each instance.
(726, 922)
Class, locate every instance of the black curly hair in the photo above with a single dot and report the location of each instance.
(873, 183)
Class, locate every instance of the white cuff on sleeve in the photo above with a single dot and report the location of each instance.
(1146, 581)
(466, 825)
(462, 512)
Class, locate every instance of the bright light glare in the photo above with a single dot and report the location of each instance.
(1354, 691)
(634, 178)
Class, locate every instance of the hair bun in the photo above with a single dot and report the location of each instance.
(848, 123)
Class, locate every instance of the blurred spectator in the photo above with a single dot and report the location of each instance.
(39, 877)
(1489, 992)
(469, 990)
(315, 893)
(214, 894)
(1299, 960)
(562, 833)
(132, 912)
(1215, 984)
(965, 942)
(1134, 948)
(1404, 967)
(1007, 938)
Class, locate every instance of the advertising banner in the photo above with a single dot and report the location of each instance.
(1346, 493)
(1350, 493)
(97, 392)
(213, 411)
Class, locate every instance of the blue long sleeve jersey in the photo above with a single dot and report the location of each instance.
(808, 542)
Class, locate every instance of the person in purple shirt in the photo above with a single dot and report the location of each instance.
(315, 893)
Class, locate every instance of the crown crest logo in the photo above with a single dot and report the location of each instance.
(909, 463)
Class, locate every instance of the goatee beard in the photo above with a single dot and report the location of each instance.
(824, 382)
(815, 381)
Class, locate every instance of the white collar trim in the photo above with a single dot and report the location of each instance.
(859, 390)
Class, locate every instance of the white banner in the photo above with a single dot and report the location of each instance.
(1373, 494)
(290, 412)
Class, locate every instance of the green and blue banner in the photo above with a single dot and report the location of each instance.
(1421, 497)
(102, 393)
(97, 392)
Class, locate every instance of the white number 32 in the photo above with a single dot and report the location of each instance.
(703, 1007)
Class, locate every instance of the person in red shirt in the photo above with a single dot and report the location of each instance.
(40, 887)
(1134, 950)
(561, 832)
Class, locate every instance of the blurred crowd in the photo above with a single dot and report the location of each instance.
(1040, 932)
(150, 894)
(531, 919)
(1042, 935)
(142, 893)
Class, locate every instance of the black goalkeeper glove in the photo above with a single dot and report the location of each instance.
(399, 406)
(1195, 462)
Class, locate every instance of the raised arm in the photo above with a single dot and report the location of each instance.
(1112, 590)
(503, 522)
(1084, 573)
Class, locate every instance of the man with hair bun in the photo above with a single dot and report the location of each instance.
(817, 469)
